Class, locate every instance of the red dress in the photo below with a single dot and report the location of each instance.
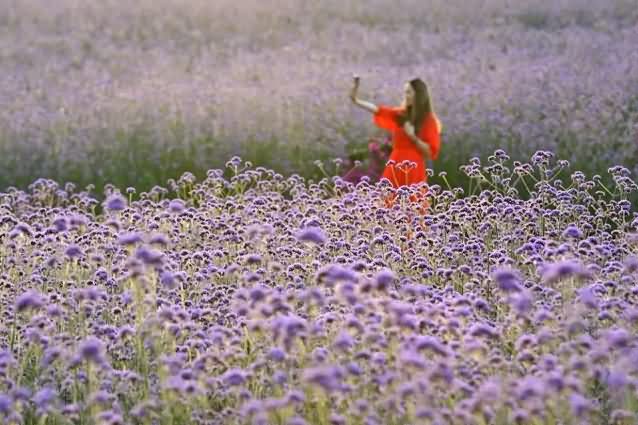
(403, 148)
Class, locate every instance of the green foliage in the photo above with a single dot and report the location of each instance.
(132, 159)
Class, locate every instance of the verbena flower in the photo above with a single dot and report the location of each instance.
(73, 251)
(580, 406)
(115, 202)
(508, 280)
(6, 404)
(234, 377)
(384, 279)
(562, 269)
(44, 398)
(176, 206)
(327, 377)
(312, 234)
(29, 300)
(91, 349)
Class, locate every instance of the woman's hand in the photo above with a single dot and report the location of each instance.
(368, 106)
(420, 144)
(425, 150)
(409, 129)
(355, 87)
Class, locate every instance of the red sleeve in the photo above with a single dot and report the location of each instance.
(431, 134)
(385, 118)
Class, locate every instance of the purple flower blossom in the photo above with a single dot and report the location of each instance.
(432, 344)
(73, 251)
(580, 406)
(334, 273)
(176, 206)
(619, 338)
(149, 256)
(130, 238)
(573, 232)
(92, 350)
(6, 404)
(29, 300)
(507, 280)
(562, 269)
(327, 377)
(234, 377)
(44, 398)
(588, 298)
(483, 330)
(631, 264)
(168, 279)
(115, 202)
(312, 234)
(277, 354)
(384, 279)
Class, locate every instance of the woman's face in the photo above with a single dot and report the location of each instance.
(408, 95)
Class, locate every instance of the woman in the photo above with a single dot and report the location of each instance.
(415, 132)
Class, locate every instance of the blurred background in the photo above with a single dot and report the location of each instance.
(135, 93)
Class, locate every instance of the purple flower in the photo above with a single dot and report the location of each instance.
(617, 379)
(253, 259)
(149, 256)
(168, 279)
(28, 300)
(631, 264)
(334, 272)
(6, 404)
(618, 338)
(354, 369)
(556, 382)
(73, 251)
(115, 202)
(580, 405)
(562, 269)
(483, 330)
(159, 239)
(507, 280)
(129, 238)
(530, 387)
(92, 350)
(344, 341)
(43, 398)
(572, 231)
(327, 377)
(384, 278)
(522, 302)
(587, 297)
(176, 206)
(234, 377)
(60, 223)
(296, 397)
(277, 354)
(432, 344)
(413, 359)
(312, 234)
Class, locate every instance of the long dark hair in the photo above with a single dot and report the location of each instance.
(420, 108)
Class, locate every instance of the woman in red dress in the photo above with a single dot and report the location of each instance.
(415, 130)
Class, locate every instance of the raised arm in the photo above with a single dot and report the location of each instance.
(368, 106)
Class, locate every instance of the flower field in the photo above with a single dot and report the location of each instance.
(146, 279)
(263, 299)
(164, 87)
